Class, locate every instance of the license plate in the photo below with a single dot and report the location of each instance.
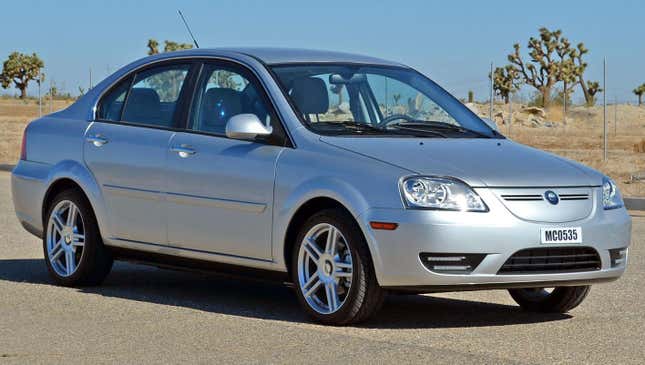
(561, 235)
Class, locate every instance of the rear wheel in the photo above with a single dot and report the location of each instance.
(555, 300)
(333, 271)
(74, 251)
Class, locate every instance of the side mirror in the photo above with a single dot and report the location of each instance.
(491, 124)
(246, 126)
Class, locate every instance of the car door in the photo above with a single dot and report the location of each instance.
(126, 150)
(220, 190)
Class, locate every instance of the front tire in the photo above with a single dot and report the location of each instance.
(333, 272)
(74, 251)
(560, 300)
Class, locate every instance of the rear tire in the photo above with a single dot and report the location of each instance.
(345, 272)
(560, 300)
(74, 251)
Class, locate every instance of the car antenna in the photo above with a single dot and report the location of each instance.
(188, 28)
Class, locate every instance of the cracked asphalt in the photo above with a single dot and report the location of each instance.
(148, 315)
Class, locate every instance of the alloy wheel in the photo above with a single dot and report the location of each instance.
(65, 238)
(325, 268)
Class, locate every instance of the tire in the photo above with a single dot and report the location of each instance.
(355, 302)
(79, 240)
(560, 300)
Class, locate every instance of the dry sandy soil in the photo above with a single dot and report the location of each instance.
(580, 138)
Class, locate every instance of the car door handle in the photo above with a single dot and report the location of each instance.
(183, 151)
(97, 140)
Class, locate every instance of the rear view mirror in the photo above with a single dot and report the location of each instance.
(336, 79)
(246, 126)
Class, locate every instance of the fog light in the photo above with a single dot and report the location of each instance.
(618, 256)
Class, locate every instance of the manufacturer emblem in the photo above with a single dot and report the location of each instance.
(551, 197)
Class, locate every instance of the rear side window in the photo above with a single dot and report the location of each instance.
(151, 99)
(112, 104)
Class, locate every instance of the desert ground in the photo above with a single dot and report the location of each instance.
(579, 138)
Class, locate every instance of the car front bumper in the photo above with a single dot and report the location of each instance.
(498, 234)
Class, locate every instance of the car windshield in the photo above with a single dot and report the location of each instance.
(341, 99)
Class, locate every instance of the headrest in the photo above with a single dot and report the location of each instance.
(218, 106)
(143, 106)
(310, 95)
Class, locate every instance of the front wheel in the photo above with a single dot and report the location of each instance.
(556, 300)
(333, 272)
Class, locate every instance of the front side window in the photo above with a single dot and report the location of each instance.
(224, 91)
(376, 100)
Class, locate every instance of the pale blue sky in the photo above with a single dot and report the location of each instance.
(451, 41)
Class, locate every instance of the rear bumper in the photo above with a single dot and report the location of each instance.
(28, 187)
(498, 234)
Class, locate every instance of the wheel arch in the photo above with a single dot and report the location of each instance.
(304, 211)
(74, 175)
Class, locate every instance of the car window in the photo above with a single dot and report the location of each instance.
(224, 91)
(152, 100)
(112, 103)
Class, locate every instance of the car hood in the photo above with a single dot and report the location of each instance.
(478, 162)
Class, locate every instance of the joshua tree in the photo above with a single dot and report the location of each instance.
(19, 69)
(169, 46)
(505, 81)
(543, 70)
(639, 91)
(589, 88)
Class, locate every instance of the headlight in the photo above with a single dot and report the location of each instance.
(611, 198)
(440, 193)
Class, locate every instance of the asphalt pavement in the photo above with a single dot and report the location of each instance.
(148, 315)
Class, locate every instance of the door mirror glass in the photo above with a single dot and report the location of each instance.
(246, 126)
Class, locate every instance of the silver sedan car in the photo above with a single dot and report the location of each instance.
(349, 176)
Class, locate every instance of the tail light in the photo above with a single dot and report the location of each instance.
(23, 146)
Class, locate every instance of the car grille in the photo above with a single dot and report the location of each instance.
(551, 260)
(538, 197)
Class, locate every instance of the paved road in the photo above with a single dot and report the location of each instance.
(144, 314)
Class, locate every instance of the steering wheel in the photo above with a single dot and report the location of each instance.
(388, 120)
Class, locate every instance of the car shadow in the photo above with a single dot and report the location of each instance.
(264, 300)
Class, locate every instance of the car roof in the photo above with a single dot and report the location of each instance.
(273, 56)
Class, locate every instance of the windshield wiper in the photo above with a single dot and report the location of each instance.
(433, 125)
(349, 125)
(411, 127)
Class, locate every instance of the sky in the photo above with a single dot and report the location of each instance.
(453, 42)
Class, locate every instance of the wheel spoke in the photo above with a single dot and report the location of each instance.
(344, 265)
(78, 240)
(71, 215)
(332, 296)
(312, 285)
(312, 249)
(70, 262)
(55, 252)
(332, 237)
(343, 274)
(58, 223)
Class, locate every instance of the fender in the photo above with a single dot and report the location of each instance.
(321, 187)
(83, 177)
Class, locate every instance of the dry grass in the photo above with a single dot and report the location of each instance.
(14, 116)
(579, 139)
